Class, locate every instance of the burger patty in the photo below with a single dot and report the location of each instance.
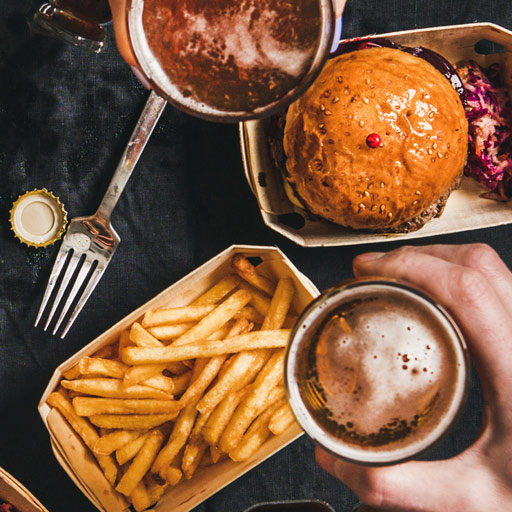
(433, 211)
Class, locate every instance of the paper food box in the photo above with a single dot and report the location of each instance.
(78, 461)
(13, 492)
(465, 209)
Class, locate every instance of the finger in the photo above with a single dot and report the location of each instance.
(457, 484)
(118, 9)
(466, 293)
(480, 257)
(339, 5)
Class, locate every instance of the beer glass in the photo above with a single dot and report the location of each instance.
(376, 371)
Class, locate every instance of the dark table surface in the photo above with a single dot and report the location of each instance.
(65, 116)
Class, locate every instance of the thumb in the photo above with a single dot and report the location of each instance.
(454, 484)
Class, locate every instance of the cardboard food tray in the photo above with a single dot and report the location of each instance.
(13, 492)
(79, 463)
(465, 209)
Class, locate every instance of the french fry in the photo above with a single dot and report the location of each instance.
(199, 424)
(81, 425)
(277, 393)
(177, 368)
(215, 454)
(113, 388)
(219, 334)
(107, 351)
(173, 475)
(168, 332)
(140, 498)
(256, 435)
(72, 373)
(231, 328)
(221, 416)
(205, 371)
(241, 371)
(175, 443)
(129, 450)
(161, 382)
(155, 490)
(279, 305)
(251, 314)
(178, 315)
(225, 367)
(86, 431)
(131, 421)
(199, 366)
(247, 271)
(112, 441)
(142, 338)
(249, 363)
(247, 341)
(124, 341)
(102, 367)
(215, 319)
(181, 382)
(218, 291)
(259, 300)
(241, 326)
(90, 406)
(247, 410)
(281, 419)
(135, 374)
(192, 455)
(140, 464)
(203, 380)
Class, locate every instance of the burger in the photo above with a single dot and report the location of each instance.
(378, 142)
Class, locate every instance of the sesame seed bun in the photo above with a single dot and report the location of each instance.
(403, 182)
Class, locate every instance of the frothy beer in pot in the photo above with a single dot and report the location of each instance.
(376, 371)
(232, 58)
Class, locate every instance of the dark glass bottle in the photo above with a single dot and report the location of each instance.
(78, 22)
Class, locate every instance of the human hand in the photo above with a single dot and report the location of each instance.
(475, 286)
(339, 5)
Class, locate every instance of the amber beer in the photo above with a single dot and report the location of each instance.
(230, 59)
(376, 371)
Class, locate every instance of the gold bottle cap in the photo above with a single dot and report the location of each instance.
(38, 218)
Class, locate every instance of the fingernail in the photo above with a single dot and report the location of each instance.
(369, 256)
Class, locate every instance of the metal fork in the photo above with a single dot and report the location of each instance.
(90, 242)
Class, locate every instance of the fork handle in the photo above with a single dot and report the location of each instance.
(147, 121)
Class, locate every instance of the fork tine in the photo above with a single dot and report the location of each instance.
(93, 281)
(79, 281)
(75, 258)
(56, 270)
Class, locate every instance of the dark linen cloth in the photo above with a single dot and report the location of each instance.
(65, 116)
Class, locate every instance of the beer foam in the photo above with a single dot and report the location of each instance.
(242, 37)
(403, 371)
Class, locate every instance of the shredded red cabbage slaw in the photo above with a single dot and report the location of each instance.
(489, 114)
